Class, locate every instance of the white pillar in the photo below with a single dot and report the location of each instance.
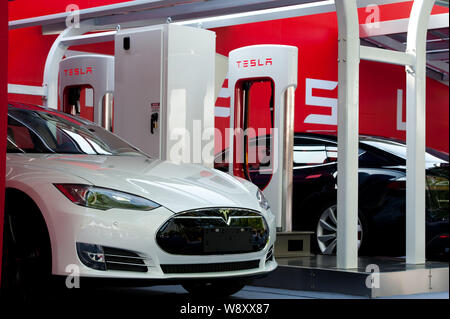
(415, 132)
(348, 139)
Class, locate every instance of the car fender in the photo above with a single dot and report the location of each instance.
(38, 185)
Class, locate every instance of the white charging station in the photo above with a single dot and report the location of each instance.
(276, 64)
(164, 91)
(86, 87)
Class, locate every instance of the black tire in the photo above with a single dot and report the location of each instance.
(215, 289)
(26, 261)
(363, 248)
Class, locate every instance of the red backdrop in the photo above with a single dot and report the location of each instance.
(316, 38)
(3, 90)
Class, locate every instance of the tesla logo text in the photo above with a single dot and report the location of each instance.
(254, 63)
(332, 104)
(401, 125)
(78, 71)
(321, 101)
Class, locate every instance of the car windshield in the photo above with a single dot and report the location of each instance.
(398, 149)
(40, 130)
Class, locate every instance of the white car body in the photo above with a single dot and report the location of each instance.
(177, 188)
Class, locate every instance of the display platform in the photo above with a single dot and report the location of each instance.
(319, 273)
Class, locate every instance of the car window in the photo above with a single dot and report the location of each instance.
(22, 139)
(331, 153)
(35, 131)
(309, 155)
(221, 161)
(259, 164)
(398, 149)
(311, 151)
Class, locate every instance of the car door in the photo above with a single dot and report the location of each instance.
(314, 178)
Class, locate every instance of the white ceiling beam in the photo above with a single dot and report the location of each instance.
(88, 38)
(214, 14)
(70, 53)
(387, 42)
(178, 10)
(436, 21)
(26, 89)
(386, 56)
(119, 8)
(131, 8)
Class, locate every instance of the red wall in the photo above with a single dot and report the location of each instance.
(316, 38)
(28, 49)
(3, 90)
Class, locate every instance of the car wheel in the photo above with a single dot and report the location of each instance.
(219, 289)
(326, 231)
(26, 263)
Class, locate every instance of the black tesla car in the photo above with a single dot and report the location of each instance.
(382, 172)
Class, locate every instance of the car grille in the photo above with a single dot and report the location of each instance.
(214, 231)
(125, 260)
(202, 268)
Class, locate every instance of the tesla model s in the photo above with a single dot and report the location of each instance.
(382, 184)
(79, 197)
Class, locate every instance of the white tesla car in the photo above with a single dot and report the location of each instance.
(79, 195)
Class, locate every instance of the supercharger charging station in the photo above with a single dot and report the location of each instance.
(275, 66)
(320, 275)
(164, 98)
(86, 87)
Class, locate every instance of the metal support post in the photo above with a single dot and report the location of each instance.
(347, 192)
(415, 132)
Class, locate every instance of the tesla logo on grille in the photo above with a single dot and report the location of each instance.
(254, 63)
(225, 217)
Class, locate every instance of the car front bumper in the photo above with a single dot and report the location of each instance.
(135, 231)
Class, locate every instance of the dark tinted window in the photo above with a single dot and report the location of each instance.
(221, 161)
(316, 151)
(36, 131)
(305, 155)
(312, 151)
(398, 149)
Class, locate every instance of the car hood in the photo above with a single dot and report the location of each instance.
(178, 187)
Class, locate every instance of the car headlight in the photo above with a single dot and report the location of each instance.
(263, 203)
(104, 198)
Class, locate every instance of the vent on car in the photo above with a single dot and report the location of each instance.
(125, 260)
(269, 256)
(217, 267)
